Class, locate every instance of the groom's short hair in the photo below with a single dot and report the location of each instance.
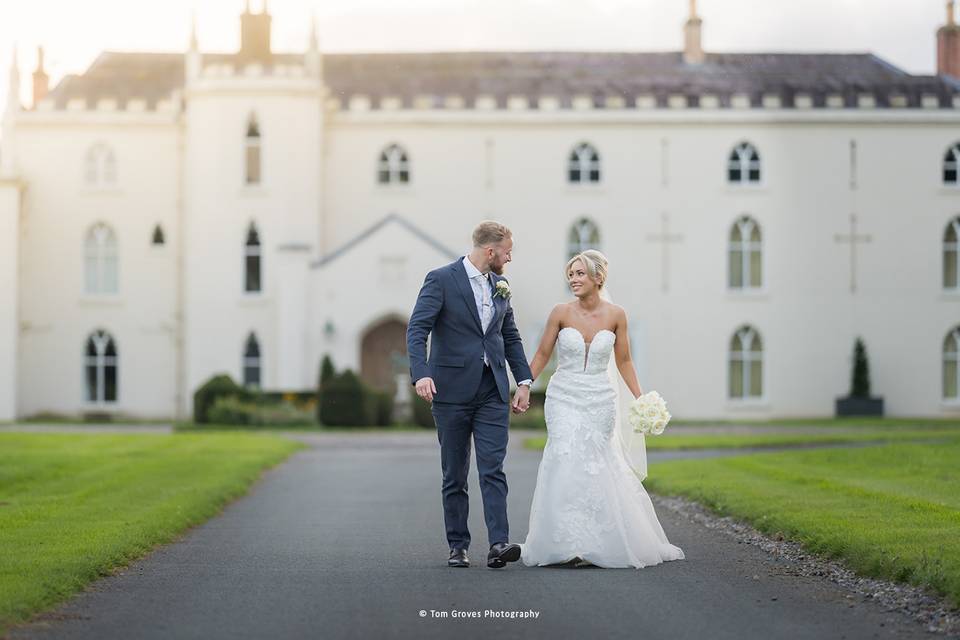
(490, 232)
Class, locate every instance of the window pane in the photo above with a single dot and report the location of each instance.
(594, 175)
(754, 268)
(755, 378)
(110, 278)
(574, 175)
(736, 268)
(110, 383)
(734, 175)
(950, 379)
(754, 175)
(90, 268)
(251, 376)
(253, 273)
(253, 164)
(950, 268)
(91, 382)
(736, 379)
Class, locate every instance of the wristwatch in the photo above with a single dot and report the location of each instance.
(525, 383)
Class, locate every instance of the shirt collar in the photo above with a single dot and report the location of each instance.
(472, 271)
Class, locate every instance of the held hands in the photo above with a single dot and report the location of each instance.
(426, 389)
(521, 399)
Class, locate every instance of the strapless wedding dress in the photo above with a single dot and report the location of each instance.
(588, 503)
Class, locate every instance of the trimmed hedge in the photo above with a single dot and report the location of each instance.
(234, 411)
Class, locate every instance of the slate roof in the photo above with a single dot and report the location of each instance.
(154, 76)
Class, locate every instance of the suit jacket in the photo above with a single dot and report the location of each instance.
(446, 308)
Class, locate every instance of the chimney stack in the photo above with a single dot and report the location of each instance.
(692, 47)
(255, 35)
(41, 81)
(948, 45)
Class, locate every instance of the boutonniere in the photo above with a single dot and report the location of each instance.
(502, 289)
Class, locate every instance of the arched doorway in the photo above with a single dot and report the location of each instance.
(383, 354)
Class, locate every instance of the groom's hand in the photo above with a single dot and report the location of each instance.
(521, 399)
(426, 389)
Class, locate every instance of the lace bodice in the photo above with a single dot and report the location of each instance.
(576, 356)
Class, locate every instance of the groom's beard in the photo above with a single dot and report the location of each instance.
(498, 269)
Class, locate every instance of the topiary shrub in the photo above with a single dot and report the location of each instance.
(217, 386)
(860, 385)
(344, 401)
(422, 416)
(384, 403)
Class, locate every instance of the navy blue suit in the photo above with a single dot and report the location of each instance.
(471, 398)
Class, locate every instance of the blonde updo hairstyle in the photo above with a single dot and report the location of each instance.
(595, 263)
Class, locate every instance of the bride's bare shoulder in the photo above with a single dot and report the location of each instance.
(559, 311)
(616, 312)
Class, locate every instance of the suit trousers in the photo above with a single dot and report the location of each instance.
(486, 417)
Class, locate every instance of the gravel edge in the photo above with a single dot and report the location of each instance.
(915, 603)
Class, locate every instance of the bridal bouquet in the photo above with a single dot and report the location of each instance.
(648, 414)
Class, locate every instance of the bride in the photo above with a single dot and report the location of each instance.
(589, 505)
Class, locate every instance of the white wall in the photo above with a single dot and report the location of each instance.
(9, 292)
(59, 209)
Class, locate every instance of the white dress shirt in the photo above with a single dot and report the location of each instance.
(483, 297)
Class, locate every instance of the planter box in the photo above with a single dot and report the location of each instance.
(850, 406)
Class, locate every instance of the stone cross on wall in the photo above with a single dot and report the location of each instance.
(664, 238)
(853, 238)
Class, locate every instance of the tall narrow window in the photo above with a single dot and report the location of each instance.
(746, 364)
(100, 166)
(251, 362)
(951, 162)
(100, 368)
(252, 260)
(584, 164)
(743, 166)
(745, 264)
(583, 235)
(158, 239)
(253, 151)
(951, 277)
(100, 260)
(951, 349)
(393, 166)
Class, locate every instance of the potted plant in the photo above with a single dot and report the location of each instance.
(858, 402)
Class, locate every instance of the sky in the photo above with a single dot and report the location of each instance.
(73, 32)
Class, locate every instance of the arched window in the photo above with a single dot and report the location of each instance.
(951, 163)
(100, 367)
(394, 166)
(583, 235)
(951, 350)
(252, 156)
(100, 166)
(100, 260)
(158, 238)
(745, 264)
(584, 164)
(744, 164)
(951, 265)
(251, 361)
(746, 364)
(252, 260)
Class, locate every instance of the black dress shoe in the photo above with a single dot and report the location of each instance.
(458, 558)
(501, 553)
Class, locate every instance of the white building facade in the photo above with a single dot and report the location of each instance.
(168, 217)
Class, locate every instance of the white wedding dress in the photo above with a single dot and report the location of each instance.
(588, 503)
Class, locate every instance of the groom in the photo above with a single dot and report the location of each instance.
(466, 306)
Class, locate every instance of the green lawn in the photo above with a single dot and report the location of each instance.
(677, 439)
(75, 506)
(891, 511)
